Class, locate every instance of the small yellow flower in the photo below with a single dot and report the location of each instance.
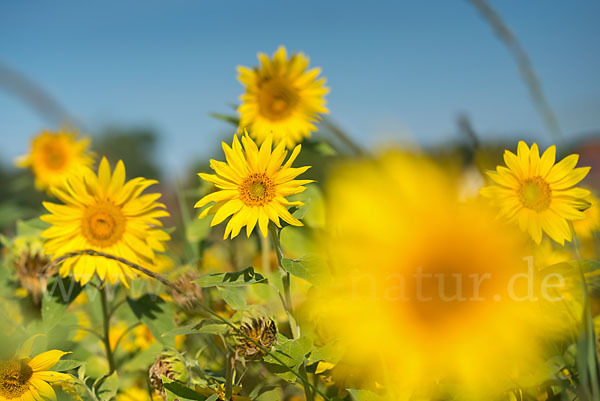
(252, 186)
(104, 213)
(538, 193)
(30, 379)
(55, 155)
(282, 98)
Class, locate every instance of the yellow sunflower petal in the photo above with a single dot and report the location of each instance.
(46, 360)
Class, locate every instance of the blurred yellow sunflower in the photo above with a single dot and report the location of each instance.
(538, 193)
(55, 155)
(282, 98)
(104, 213)
(252, 186)
(30, 379)
(421, 289)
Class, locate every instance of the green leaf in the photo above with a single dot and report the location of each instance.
(157, 314)
(234, 296)
(177, 391)
(271, 393)
(59, 295)
(237, 279)
(331, 352)
(291, 352)
(211, 328)
(297, 241)
(324, 148)
(183, 330)
(310, 268)
(364, 395)
(312, 213)
(233, 120)
(31, 227)
(108, 388)
(67, 364)
(197, 230)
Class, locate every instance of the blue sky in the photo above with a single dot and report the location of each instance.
(396, 70)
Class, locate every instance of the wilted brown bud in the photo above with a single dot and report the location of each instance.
(192, 291)
(169, 365)
(28, 258)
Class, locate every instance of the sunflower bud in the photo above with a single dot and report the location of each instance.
(27, 256)
(169, 365)
(193, 292)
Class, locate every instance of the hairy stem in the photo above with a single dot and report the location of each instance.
(106, 321)
(285, 279)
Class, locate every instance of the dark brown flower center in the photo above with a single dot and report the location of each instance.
(257, 190)
(14, 379)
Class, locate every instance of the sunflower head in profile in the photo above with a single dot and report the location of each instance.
(252, 186)
(104, 213)
(539, 194)
(282, 97)
(55, 155)
(24, 379)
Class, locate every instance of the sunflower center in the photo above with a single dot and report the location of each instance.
(257, 190)
(14, 379)
(103, 224)
(55, 156)
(277, 99)
(535, 194)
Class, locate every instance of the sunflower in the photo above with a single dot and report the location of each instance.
(282, 98)
(29, 379)
(538, 193)
(252, 186)
(420, 292)
(54, 155)
(104, 213)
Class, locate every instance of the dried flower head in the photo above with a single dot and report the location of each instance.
(261, 330)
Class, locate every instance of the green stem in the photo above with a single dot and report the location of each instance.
(106, 320)
(289, 307)
(264, 253)
(286, 280)
(229, 377)
(343, 137)
(87, 389)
